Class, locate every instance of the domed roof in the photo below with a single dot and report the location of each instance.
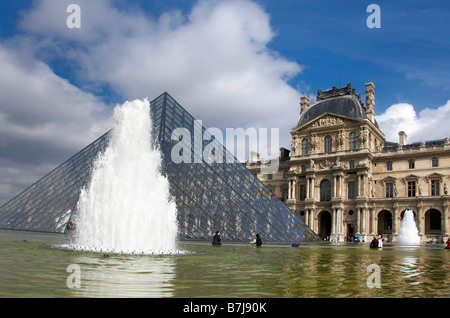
(340, 101)
(348, 106)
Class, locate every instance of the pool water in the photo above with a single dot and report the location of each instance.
(30, 268)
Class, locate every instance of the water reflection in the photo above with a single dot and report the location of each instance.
(27, 269)
(408, 265)
(125, 276)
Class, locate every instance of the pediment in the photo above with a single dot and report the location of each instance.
(434, 176)
(411, 177)
(329, 120)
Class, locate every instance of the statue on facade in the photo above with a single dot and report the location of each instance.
(337, 163)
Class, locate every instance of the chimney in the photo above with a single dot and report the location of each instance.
(304, 103)
(254, 157)
(402, 138)
(284, 153)
(370, 101)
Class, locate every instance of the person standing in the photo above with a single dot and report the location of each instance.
(70, 228)
(217, 240)
(380, 241)
(257, 241)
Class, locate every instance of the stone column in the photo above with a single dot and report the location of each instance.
(339, 224)
(312, 224)
(294, 193)
(307, 187)
(395, 218)
(357, 185)
(358, 220)
(420, 219)
(333, 224)
(366, 221)
(372, 221)
(363, 220)
(334, 186)
(445, 222)
(290, 190)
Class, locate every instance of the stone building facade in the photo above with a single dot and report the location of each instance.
(344, 179)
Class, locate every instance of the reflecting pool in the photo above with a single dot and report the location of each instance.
(30, 268)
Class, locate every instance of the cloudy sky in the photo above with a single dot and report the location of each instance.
(231, 63)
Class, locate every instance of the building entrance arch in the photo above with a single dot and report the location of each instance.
(433, 222)
(324, 219)
(384, 222)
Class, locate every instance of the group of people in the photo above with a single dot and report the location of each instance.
(377, 242)
(217, 240)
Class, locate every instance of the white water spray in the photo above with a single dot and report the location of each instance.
(127, 206)
(408, 230)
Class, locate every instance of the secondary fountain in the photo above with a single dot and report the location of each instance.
(408, 234)
(127, 207)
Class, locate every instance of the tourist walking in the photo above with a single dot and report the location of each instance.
(217, 239)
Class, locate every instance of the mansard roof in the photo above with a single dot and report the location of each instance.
(340, 101)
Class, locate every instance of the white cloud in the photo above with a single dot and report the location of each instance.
(428, 124)
(215, 61)
(43, 119)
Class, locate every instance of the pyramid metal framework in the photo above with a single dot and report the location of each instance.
(210, 197)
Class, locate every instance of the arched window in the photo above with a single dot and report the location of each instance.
(325, 190)
(305, 146)
(328, 144)
(352, 141)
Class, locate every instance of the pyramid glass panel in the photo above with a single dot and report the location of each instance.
(211, 195)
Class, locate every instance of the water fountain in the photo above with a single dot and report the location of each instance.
(408, 230)
(127, 206)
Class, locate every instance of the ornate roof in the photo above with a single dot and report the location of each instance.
(341, 101)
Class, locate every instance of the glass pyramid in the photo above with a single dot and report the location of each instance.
(210, 197)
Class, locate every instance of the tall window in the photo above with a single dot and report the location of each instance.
(411, 163)
(285, 194)
(328, 144)
(351, 189)
(302, 192)
(325, 190)
(305, 146)
(286, 174)
(435, 162)
(303, 167)
(351, 164)
(389, 189)
(352, 141)
(434, 187)
(389, 165)
(411, 188)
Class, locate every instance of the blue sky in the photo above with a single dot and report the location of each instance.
(231, 63)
